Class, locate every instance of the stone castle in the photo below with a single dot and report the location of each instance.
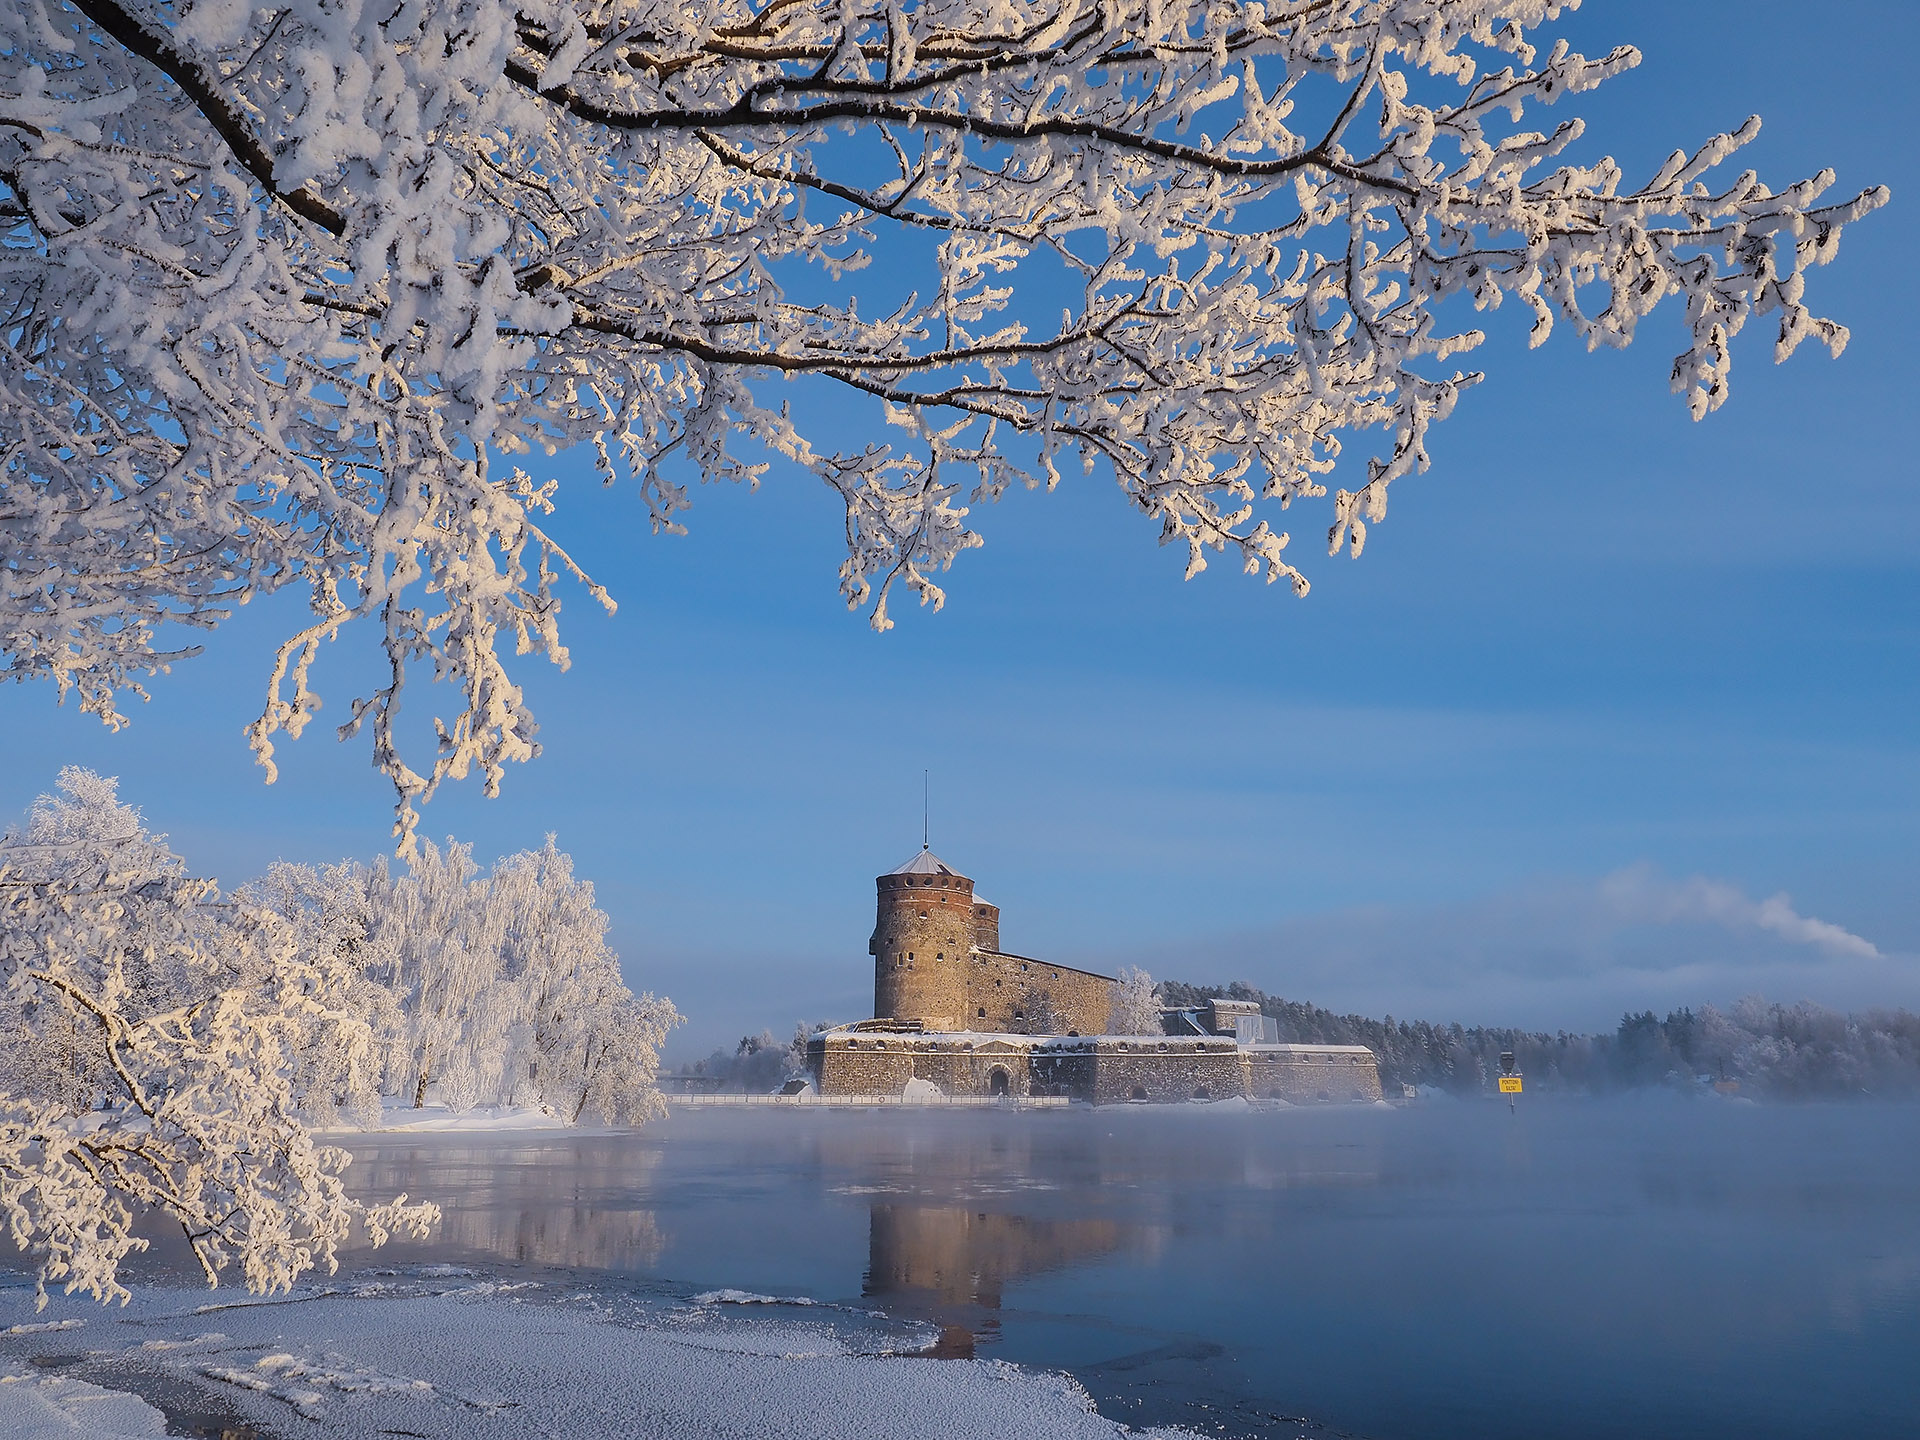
(956, 1014)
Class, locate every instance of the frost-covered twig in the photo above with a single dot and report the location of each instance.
(286, 294)
(150, 1061)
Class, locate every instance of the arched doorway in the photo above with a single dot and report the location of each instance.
(1139, 1092)
(1203, 1093)
(998, 1080)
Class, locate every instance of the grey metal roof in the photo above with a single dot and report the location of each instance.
(925, 863)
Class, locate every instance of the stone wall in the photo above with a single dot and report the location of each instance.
(1105, 1069)
(1310, 1074)
(1016, 994)
(1113, 1069)
(866, 1063)
(922, 938)
(859, 1064)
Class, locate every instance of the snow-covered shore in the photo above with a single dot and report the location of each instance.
(403, 1118)
(442, 1352)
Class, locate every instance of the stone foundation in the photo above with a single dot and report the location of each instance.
(1103, 1069)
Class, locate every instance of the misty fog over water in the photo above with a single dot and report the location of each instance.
(1646, 1266)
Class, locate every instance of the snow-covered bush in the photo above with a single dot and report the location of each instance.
(148, 1032)
(292, 291)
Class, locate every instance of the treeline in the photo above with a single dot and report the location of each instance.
(758, 1064)
(1777, 1051)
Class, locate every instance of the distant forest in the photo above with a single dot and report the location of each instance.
(1800, 1052)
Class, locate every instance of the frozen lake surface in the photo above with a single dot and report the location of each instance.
(1653, 1266)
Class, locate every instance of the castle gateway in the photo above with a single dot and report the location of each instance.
(955, 1012)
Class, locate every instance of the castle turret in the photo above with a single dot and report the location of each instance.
(923, 932)
(986, 926)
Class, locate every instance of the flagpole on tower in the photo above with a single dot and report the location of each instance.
(926, 809)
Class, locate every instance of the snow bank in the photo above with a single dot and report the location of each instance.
(437, 1118)
(53, 1407)
(374, 1358)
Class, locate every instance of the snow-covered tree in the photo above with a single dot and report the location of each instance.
(147, 1036)
(487, 987)
(1136, 1004)
(293, 291)
(330, 911)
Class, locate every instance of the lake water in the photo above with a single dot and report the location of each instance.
(1660, 1267)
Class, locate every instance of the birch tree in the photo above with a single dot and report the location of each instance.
(304, 294)
(173, 1017)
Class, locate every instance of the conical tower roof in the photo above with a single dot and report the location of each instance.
(926, 863)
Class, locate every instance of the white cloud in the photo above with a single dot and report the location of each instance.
(1550, 954)
(1640, 894)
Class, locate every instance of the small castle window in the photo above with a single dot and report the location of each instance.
(983, 1012)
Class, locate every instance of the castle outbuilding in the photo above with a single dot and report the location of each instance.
(955, 1013)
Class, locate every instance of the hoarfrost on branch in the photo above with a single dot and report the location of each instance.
(292, 291)
(150, 1047)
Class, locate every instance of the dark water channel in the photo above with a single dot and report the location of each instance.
(1660, 1267)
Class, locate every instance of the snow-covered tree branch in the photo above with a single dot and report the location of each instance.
(292, 291)
(146, 1035)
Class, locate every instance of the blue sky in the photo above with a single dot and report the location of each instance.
(1596, 658)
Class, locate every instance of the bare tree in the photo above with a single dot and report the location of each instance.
(292, 292)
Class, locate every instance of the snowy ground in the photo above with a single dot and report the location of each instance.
(397, 1115)
(441, 1351)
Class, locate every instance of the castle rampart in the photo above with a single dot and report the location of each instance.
(1103, 1069)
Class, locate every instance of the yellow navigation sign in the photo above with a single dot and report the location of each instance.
(1509, 1084)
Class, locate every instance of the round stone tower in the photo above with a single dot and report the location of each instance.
(923, 934)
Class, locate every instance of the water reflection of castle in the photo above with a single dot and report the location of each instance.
(954, 1011)
(957, 1256)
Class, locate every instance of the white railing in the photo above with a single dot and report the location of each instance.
(986, 1101)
